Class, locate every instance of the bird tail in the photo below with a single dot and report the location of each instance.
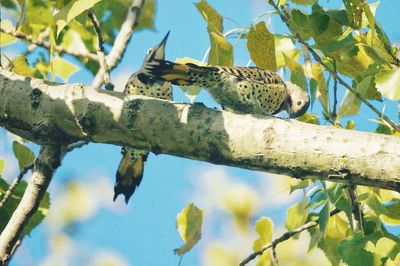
(130, 172)
(175, 73)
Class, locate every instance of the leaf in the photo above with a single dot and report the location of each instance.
(211, 16)
(1, 166)
(296, 215)
(298, 184)
(350, 104)
(352, 251)
(146, 18)
(261, 45)
(354, 12)
(188, 224)
(20, 66)
(71, 11)
(7, 210)
(264, 227)
(317, 199)
(190, 91)
(63, 68)
(5, 38)
(324, 216)
(388, 83)
(23, 154)
(351, 124)
(284, 45)
(305, 2)
(310, 119)
(221, 52)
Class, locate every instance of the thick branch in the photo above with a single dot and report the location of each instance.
(45, 165)
(120, 43)
(47, 45)
(35, 109)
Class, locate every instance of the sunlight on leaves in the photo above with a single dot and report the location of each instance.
(71, 11)
(188, 224)
(63, 68)
(388, 83)
(264, 228)
(5, 38)
(296, 215)
(1, 166)
(21, 67)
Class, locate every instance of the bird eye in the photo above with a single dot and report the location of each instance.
(298, 102)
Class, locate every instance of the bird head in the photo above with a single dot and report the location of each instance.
(158, 51)
(299, 101)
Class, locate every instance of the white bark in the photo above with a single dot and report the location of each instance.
(42, 111)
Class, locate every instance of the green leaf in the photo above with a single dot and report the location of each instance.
(146, 18)
(305, 2)
(284, 45)
(23, 154)
(388, 83)
(298, 184)
(324, 216)
(309, 118)
(221, 52)
(63, 68)
(350, 104)
(392, 215)
(261, 45)
(317, 199)
(20, 66)
(7, 210)
(5, 38)
(188, 224)
(353, 253)
(71, 11)
(296, 215)
(354, 12)
(350, 125)
(211, 16)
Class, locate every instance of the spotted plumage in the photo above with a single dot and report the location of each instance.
(130, 170)
(245, 90)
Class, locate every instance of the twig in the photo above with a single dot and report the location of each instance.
(274, 256)
(47, 45)
(100, 49)
(284, 14)
(120, 43)
(45, 164)
(334, 114)
(15, 183)
(357, 212)
(283, 238)
(76, 145)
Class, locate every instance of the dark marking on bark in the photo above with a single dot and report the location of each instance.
(35, 96)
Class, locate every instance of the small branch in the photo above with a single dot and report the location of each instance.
(274, 256)
(334, 114)
(76, 145)
(283, 238)
(14, 184)
(120, 43)
(100, 49)
(358, 214)
(47, 45)
(45, 164)
(284, 14)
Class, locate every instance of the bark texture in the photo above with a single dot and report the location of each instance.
(42, 111)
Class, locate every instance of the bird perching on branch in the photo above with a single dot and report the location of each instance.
(130, 170)
(244, 90)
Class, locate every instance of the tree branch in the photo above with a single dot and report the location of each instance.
(285, 18)
(47, 45)
(120, 43)
(45, 165)
(100, 50)
(14, 184)
(282, 238)
(74, 112)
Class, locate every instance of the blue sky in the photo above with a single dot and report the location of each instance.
(143, 233)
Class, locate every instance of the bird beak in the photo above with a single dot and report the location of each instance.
(159, 51)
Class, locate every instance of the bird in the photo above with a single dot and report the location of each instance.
(243, 90)
(131, 167)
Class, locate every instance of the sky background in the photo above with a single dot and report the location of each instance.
(143, 232)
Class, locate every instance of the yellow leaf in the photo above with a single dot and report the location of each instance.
(188, 224)
(1, 166)
(5, 38)
(388, 83)
(261, 45)
(70, 11)
(211, 16)
(20, 66)
(296, 215)
(285, 45)
(264, 228)
(221, 53)
(23, 154)
(63, 68)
